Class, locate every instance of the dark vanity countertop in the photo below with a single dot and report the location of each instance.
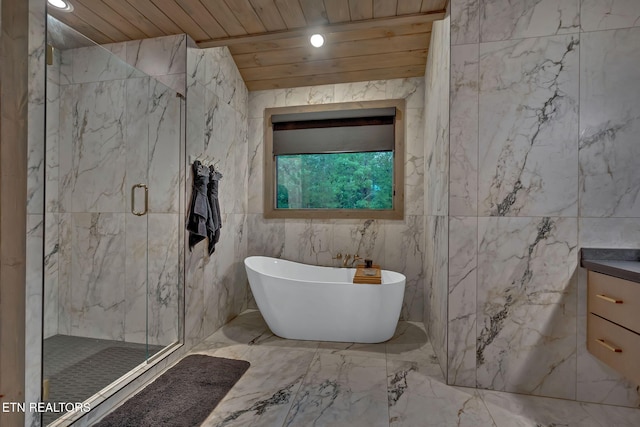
(621, 263)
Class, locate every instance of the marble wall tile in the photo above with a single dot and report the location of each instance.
(164, 284)
(195, 67)
(265, 237)
(158, 56)
(95, 64)
(216, 287)
(341, 388)
(436, 154)
(414, 163)
(463, 268)
(36, 118)
(255, 200)
(34, 313)
(97, 275)
(609, 232)
(609, 123)
(175, 82)
(241, 98)
(596, 381)
(137, 239)
(436, 284)
(219, 279)
(463, 130)
(240, 286)
(436, 121)
(241, 169)
(212, 111)
(309, 241)
(528, 127)
(194, 294)
(52, 143)
(64, 242)
(534, 160)
(51, 265)
(465, 21)
(92, 147)
(507, 20)
(526, 305)
(195, 118)
(404, 252)
(137, 126)
(309, 95)
(361, 91)
(164, 149)
(261, 99)
(609, 14)
(221, 74)
(365, 238)
(410, 89)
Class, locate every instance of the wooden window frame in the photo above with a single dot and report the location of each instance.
(269, 165)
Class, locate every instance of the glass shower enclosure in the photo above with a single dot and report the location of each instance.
(113, 285)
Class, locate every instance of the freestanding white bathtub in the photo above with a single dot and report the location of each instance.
(307, 302)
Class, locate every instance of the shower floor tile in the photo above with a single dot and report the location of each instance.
(78, 367)
(397, 383)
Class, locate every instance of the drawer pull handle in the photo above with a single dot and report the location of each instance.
(609, 299)
(609, 346)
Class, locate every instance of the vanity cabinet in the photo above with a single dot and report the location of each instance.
(613, 323)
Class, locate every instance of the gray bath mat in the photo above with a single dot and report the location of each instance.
(181, 397)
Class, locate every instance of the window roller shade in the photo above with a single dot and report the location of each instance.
(345, 139)
(339, 114)
(297, 134)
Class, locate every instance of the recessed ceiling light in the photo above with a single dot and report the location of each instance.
(317, 40)
(62, 5)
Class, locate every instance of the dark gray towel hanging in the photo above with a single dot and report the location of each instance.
(200, 221)
(212, 194)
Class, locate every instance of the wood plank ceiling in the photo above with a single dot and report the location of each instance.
(269, 39)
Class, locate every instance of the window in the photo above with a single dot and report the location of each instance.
(335, 161)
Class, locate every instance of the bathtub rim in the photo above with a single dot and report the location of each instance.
(398, 280)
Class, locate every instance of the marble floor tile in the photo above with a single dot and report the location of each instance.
(264, 394)
(269, 339)
(374, 351)
(341, 390)
(410, 343)
(608, 415)
(296, 383)
(515, 410)
(416, 398)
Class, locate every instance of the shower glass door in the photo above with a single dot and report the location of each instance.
(113, 282)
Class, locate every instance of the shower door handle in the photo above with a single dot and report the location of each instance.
(133, 199)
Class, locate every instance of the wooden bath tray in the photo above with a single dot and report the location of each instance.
(360, 277)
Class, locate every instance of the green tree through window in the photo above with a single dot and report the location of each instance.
(335, 181)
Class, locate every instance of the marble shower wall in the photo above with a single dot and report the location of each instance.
(216, 109)
(396, 245)
(35, 206)
(110, 126)
(544, 103)
(436, 189)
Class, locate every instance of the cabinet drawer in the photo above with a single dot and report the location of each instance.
(605, 338)
(605, 290)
